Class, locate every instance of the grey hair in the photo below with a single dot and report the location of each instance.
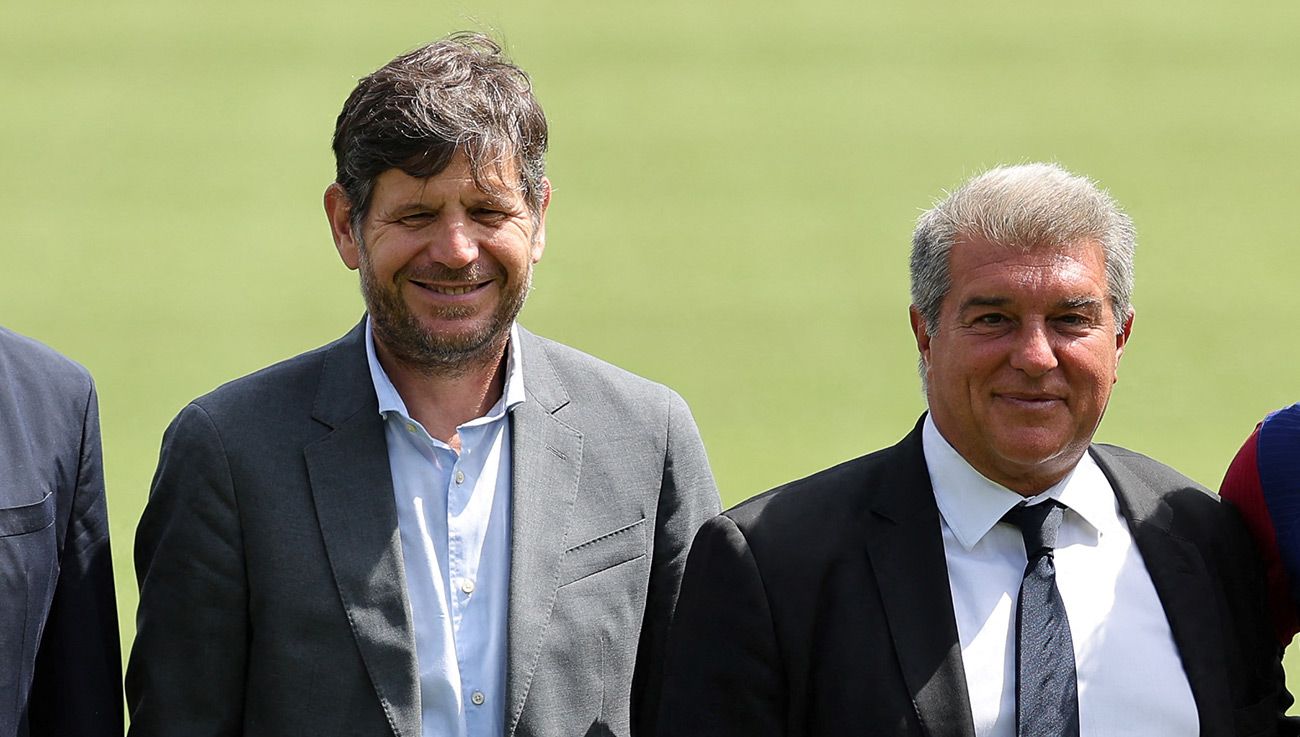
(1026, 206)
(458, 94)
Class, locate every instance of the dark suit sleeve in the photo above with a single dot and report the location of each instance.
(688, 497)
(1267, 704)
(187, 668)
(77, 688)
(724, 674)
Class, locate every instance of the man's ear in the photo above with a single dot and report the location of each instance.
(921, 332)
(1121, 339)
(539, 237)
(338, 210)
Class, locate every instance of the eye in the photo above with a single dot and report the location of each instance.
(989, 323)
(489, 214)
(416, 219)
(1074, 320)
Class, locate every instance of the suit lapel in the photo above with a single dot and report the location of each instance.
(547, 458)
(351, 484)
(1183, 584)
(905, 547)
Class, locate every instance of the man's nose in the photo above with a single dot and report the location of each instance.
(1033, 352)
(451, 244)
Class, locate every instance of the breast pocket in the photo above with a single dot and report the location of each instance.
(604, 552)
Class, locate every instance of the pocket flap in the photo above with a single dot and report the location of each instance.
(606, 551)
(27, 518)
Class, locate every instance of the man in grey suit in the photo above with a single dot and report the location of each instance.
(60, 666)
(439, 524)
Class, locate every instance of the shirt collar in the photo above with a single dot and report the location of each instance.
(972, 504)
(391, 401)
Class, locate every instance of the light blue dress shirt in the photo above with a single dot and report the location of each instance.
(453, 513)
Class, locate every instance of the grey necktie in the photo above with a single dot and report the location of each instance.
(1047, 693)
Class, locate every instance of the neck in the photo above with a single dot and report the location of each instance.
(1028, 476)
(442, 401)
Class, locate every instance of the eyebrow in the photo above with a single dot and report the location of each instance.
(502, 201)
(484, 199)
(1070, 303)
(409, 207)
(978, 301)
(1079, 303)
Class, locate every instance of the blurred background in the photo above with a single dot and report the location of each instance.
(735, 188)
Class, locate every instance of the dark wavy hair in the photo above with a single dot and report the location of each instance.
(414, 113)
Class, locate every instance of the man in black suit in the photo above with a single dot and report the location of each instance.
(60, 669)
(883, 596)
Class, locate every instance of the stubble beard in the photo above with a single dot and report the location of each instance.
(440, 353)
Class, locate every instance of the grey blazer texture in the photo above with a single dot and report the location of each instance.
(60, 666)
(272, 592)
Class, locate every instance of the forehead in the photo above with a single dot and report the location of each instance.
(455, 179)
(980, 268)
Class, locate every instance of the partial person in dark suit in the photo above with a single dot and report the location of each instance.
(60, 665)
(995, 573)
(439, 524)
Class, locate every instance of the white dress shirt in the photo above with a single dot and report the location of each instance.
(453, 513)
(1131, 680)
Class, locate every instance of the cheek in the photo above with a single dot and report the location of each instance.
(1097, 360)
(514, 256)
(387, 257)
(382, 272)
(1093, 374)
(956, 385)
(973, 364)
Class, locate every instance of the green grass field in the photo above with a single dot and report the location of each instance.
(735, 187)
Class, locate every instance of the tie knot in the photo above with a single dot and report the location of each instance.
(1038, 524)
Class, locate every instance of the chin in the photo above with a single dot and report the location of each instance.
(1034, 452)
(457, 330)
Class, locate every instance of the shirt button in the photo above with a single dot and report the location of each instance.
(460, 477)
(467, 586)
(410, 427)
(478, 698)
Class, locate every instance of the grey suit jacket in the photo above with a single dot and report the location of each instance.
(60, 667)
(822, 608)
(272, 592)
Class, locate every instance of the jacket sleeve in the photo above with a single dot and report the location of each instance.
(688, 497)
(724, 676)
(1260, 692)
(77, 688)
(186, 670)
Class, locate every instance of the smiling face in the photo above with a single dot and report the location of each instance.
(445, 266)
(1021, 363)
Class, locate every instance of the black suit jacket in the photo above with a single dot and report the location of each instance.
(60, 669)
(823, 608)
